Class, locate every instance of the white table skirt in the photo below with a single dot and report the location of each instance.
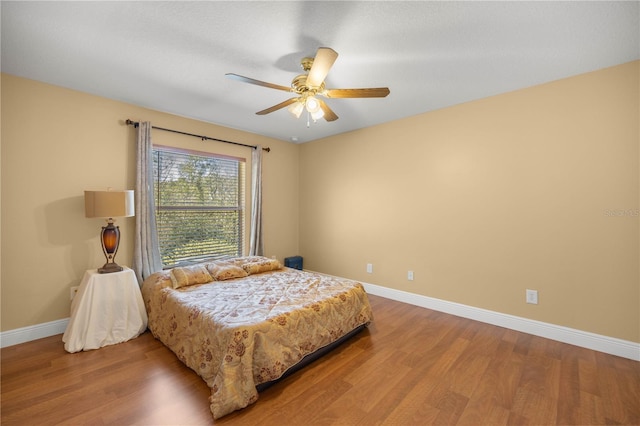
(107, 309)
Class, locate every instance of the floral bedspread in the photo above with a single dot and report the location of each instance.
(239, 333)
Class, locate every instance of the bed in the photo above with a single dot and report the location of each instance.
(244, 323)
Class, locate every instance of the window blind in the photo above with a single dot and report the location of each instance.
(199, 205)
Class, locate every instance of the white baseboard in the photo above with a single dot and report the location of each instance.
(610, 345)
(597, 342)
(34, 332)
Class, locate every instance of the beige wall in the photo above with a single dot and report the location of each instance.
(537, 188)
(532, 189)
(55, 144)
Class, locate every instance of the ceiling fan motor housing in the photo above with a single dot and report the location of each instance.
(299, 85)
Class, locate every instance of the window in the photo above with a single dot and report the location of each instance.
(199, 205)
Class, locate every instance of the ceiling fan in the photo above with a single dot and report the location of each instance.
(310, 85)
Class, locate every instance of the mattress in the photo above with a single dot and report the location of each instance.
(239, 333)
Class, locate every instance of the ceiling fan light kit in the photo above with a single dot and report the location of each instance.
(310, 85)
(308, 102)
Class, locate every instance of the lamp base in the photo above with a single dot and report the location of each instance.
(109, 268)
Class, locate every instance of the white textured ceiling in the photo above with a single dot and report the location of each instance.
(173, 56)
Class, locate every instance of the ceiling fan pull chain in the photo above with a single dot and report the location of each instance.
(308, 119)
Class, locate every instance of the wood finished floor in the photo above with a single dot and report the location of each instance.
(413, 366)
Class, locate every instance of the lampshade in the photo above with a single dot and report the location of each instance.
(312, 104)
(107, 204)
(317, 114)
(296, 108)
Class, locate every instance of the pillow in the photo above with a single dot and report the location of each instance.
(161, 279)
(221, 271)
(261, 266)
(190, 275)
(240, 261)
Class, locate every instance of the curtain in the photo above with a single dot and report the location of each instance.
(255, 246)
(146, 251)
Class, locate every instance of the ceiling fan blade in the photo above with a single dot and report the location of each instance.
(372, 92)
(257, 82)
(277, 107)
(329, 115)
(322, 63)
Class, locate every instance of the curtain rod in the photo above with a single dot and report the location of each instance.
(204, 138)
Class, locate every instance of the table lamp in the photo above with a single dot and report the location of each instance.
(109, 204)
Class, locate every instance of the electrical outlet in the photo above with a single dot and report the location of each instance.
(74, 291)
(532, 297)
(410, 275)
(370, 268)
